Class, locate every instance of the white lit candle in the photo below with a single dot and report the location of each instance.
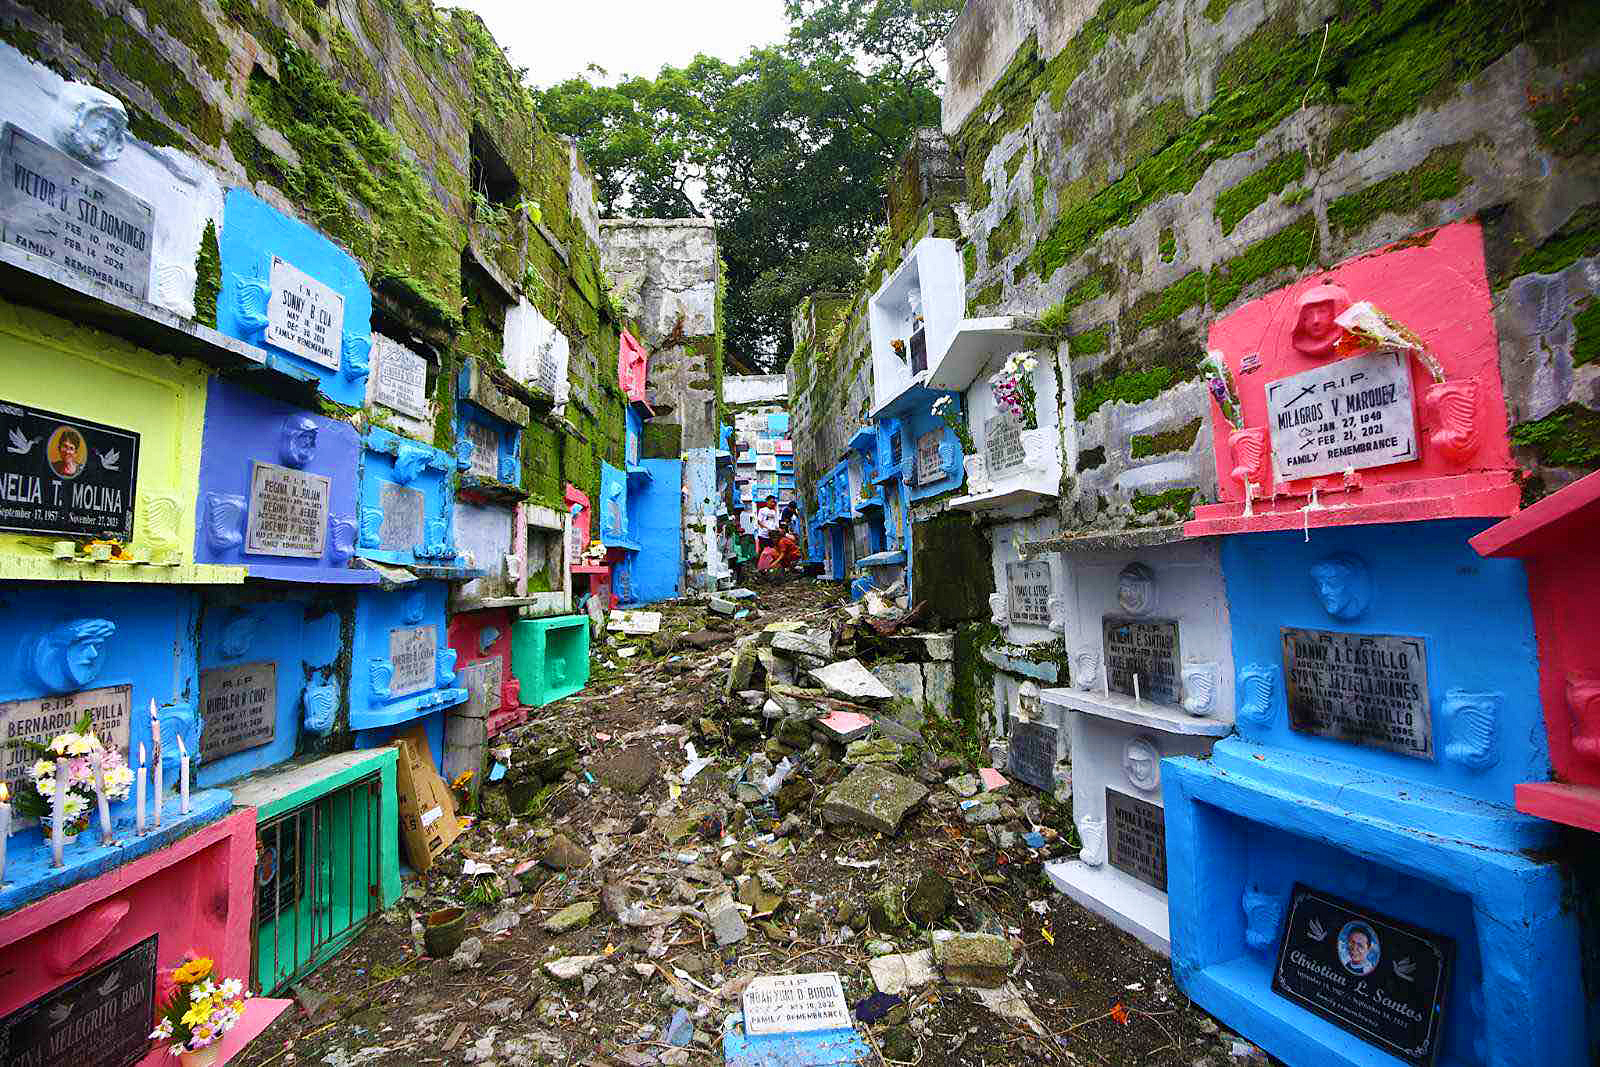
(1105, 684)
(138, 799)
(1136, 688)
(5, 827)
(99, 761)
(183, 777)
(155, 756)
(58, 839)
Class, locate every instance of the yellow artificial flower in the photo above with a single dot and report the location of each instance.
(192, 971)
(199, 1013)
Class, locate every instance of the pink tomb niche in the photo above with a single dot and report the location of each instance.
(1317, 429)
(480, 636)
(633, 368)
(195, 895)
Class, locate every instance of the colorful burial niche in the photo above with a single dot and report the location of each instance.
(1383, 675)
(1555, 540)
(287, 288)
(278, 490)
(912, 318)
(402, 669)
(1367, 394)
(81, 650)
(489, 436)
(406, 503)
(1148, 640)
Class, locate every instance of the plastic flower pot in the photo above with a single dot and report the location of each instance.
(443, 931)
(201, 1057)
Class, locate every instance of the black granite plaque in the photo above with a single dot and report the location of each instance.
(1136, 833)
(58, 209)
(62, 475)
(1032, 755)
(102, 1019)
(239, 708)
(1367, 689)
(1378, 978)
(1148, 648)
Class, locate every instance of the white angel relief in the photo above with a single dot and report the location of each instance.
(20, 444)
(1406, 969)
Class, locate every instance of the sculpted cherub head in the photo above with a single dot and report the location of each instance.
(299, 442)
(1343, 584)
(69, 657)
(94, 124)
(1315, 329)
(1136, 589)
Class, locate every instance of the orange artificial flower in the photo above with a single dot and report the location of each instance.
(192, 971)
(1119, 1013)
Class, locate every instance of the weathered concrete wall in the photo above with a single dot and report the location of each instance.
(1136, 169)
(668, 275)
(740, 389)
(404, 134)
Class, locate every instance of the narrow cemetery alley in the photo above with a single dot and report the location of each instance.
(800, 533)
(621, 893)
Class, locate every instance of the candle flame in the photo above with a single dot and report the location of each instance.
(183, 749)
(141, 754)
(5, 794)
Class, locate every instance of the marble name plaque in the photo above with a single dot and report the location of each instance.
(304, 316)
(1378, 978)
(486, 449)
(288, 512)
(100, 1019)
(61, 475)
(1351, 414)
(41, 718)
(483, 681)
(1367, 689)
(239, 708)
(795, 1004)
(399, 377)
(403, 518)
(1136, 832)
(412, 650)
(58, 209)
(1031, 755)
(1028, 586)
(930, 465)
(1148, 648)
(1003, 453)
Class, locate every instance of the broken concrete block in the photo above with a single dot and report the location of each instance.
(726, 922)
(817, 643)
(972, 959)
(780, 670)
(846, 726)
(874, 797)
(635, 622)
(571, 917)
(851, 681)
(940, 647)
(939, 688)
(904, 679)
(898, 975)
(745, 663)
(568, 968)
(867, 753)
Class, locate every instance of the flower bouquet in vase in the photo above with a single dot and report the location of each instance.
(199, 1012)
(72, 755)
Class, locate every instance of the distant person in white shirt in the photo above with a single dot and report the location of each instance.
(766, 522)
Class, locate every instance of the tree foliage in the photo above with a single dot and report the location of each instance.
(788, 149)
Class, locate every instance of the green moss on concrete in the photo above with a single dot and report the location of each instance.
(1090, 458)
(186, 21)
(1089, 342)
(1181, 439)
(207, 277)
(1004, 238)
(1578, 238)
(1113, 18)
(1168, 244)
(1215, 9)
(1152, 309)
(1136, 375)
(1238, 200)
(1176, 500)
(1567, 437)
(1293, 246)
(134, 57)
(1130, 387)
(988, 296)
(1586, 334)
(661, 440)
(1438, 177)
(1568, 122)
(1096, 283)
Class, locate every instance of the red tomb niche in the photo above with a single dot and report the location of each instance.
(598, 573)
(1555, 539)
(1369, 393)
(633, 368)
(482, 640)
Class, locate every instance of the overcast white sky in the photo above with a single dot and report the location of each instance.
(556, 39)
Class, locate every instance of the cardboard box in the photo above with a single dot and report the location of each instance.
(428, 823)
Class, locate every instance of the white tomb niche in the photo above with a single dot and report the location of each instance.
(913, 317)
(1149, 649)
(536, 353)
(1011, 384)
(150, 204)
(399, 388)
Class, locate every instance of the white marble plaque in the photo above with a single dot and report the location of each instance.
(403, 523)
(399, 377)
(1029, 589)
(485, 449)
(1003, 453)
(1351, 414)
(288, 512)
(304, 316)
(795, 1004)
(41, 718)
(56, 208)
(930, 465)
(483, 681)
(238, 707)
(412, 650)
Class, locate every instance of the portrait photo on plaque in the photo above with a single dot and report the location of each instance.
(65, 475)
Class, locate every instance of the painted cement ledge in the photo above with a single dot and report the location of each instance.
(1469, 496)
(1104, 540)
(25, 569)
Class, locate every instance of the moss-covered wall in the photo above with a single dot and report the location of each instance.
(404, 134)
